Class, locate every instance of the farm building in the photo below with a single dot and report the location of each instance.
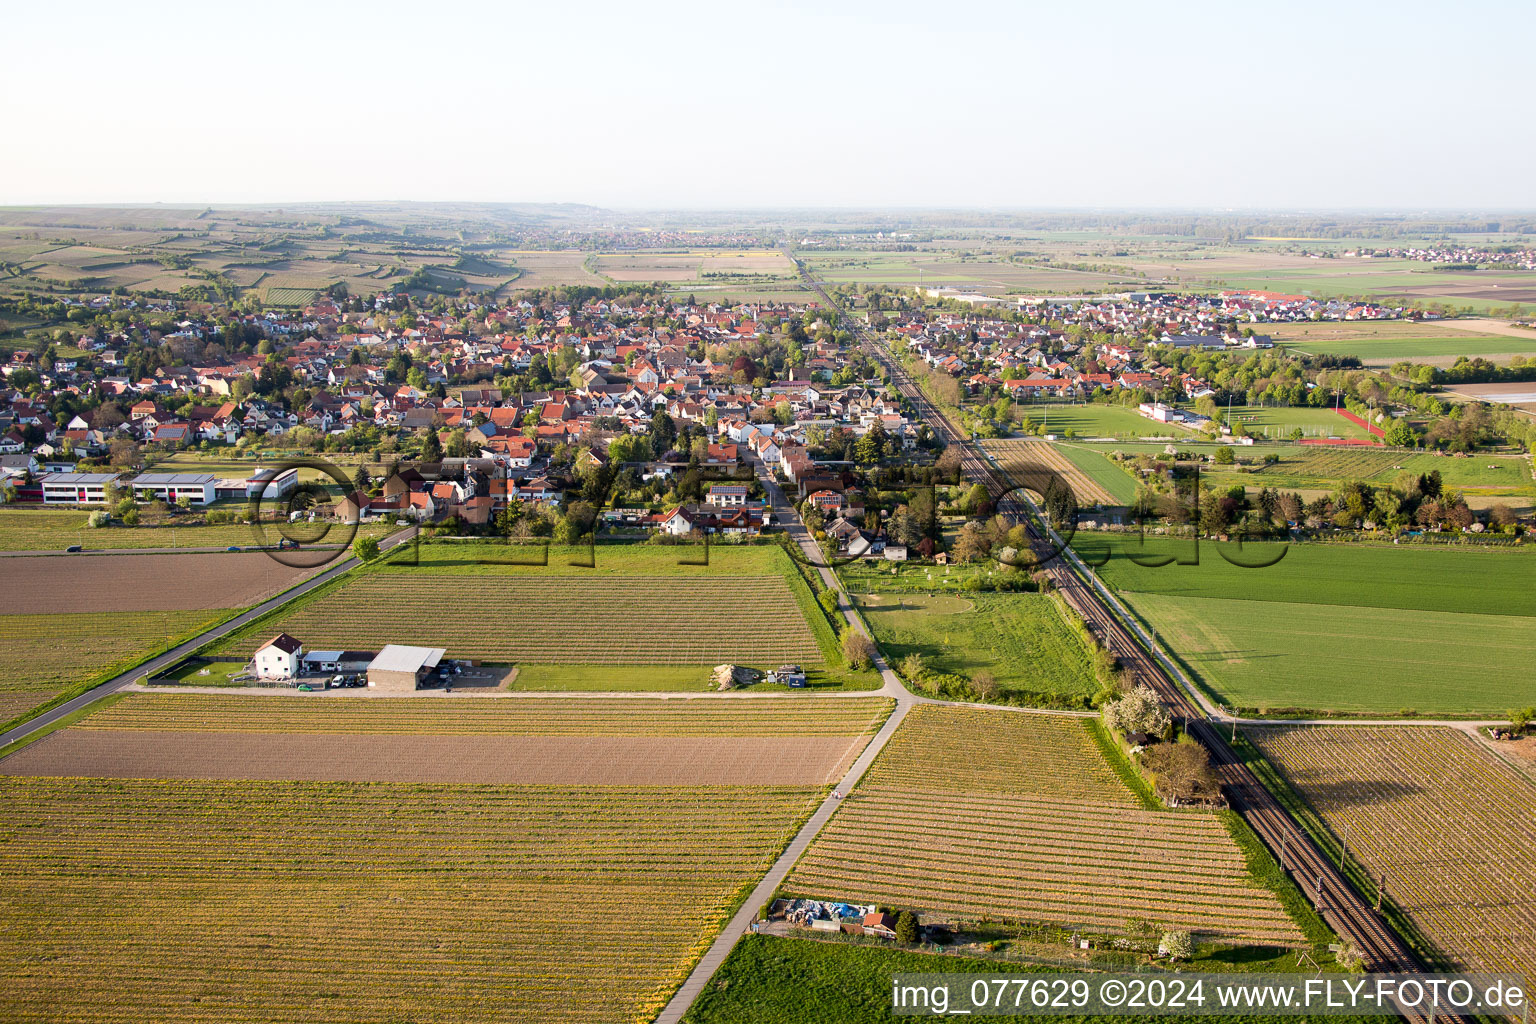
(402, 667)
(77, 488)
(197, 488)
(337, 661)
(278, 658)
(879, 925)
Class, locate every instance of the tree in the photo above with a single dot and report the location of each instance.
(1520, 719)
(906, 928)
(858, 649)
(1177, 945)
(985, 685)
(431, 446)
(912, 667)
(973, 544)
(1225, 456)
(366, 549)
(663, 431)
(1137, 711)
(361, 480)
(131, 517)
(1181, 771)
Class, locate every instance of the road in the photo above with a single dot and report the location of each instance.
(180, 651)
(741, 922)
(1335, 899)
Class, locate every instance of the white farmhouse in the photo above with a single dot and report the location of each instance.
(278, 658)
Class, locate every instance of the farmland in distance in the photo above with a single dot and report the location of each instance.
(1447, 823)
(1008, 816)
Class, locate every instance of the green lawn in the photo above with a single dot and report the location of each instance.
(773, 980)
(54, 530)
(1273, 655)
(1097, 420)
(1279, 421)
(1376, 350)
(1348, 628)
(1119, 483)
(1021, 639)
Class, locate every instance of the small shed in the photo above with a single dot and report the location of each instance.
(400, 667)
(881, 925)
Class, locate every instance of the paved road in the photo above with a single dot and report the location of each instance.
(174, 655)
(741, 923)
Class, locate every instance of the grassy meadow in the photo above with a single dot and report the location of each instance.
(1355, 629)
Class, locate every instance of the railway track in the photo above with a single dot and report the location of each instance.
(1336, 900)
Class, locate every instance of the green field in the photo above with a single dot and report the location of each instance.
(1021, 639)
(1382, 350)
(599, 614)
(1097, 420)
(1116, 481)
(1345, 628)
(48, 530)
(773, 980)
(1279, 421)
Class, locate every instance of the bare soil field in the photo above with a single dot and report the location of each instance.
(501, 759)
(55, 584)
(1483, 325)
(1520, 395)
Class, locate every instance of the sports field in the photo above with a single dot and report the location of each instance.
(1343, 628)
(1096, 420)
(1009, 816)
(1021, 639)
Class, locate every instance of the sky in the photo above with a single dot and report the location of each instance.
(1089, 103)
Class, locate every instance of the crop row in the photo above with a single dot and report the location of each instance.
(1033, 464)
(998, 752)
(1036, 862)
(209, 901)
(601, 620)
(1448, 826)
(533, 716)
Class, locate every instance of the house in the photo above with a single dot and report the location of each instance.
(727, 495)
(196, 488)
(77, 488)
(401, 667)
(879, 925)
(278, 658)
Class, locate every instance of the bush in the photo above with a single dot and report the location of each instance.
(366, 549)
(858, 649)
(1225, 456)
(1520, 719)
(131, 517)
(97, 519)
(912, 667)
(828, 601)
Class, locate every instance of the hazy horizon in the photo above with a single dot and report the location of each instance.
(1369, 107)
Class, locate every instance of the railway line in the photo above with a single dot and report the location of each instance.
(1336, 900)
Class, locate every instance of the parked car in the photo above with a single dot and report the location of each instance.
(233, 547)
(306, 688)
(73, 548)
